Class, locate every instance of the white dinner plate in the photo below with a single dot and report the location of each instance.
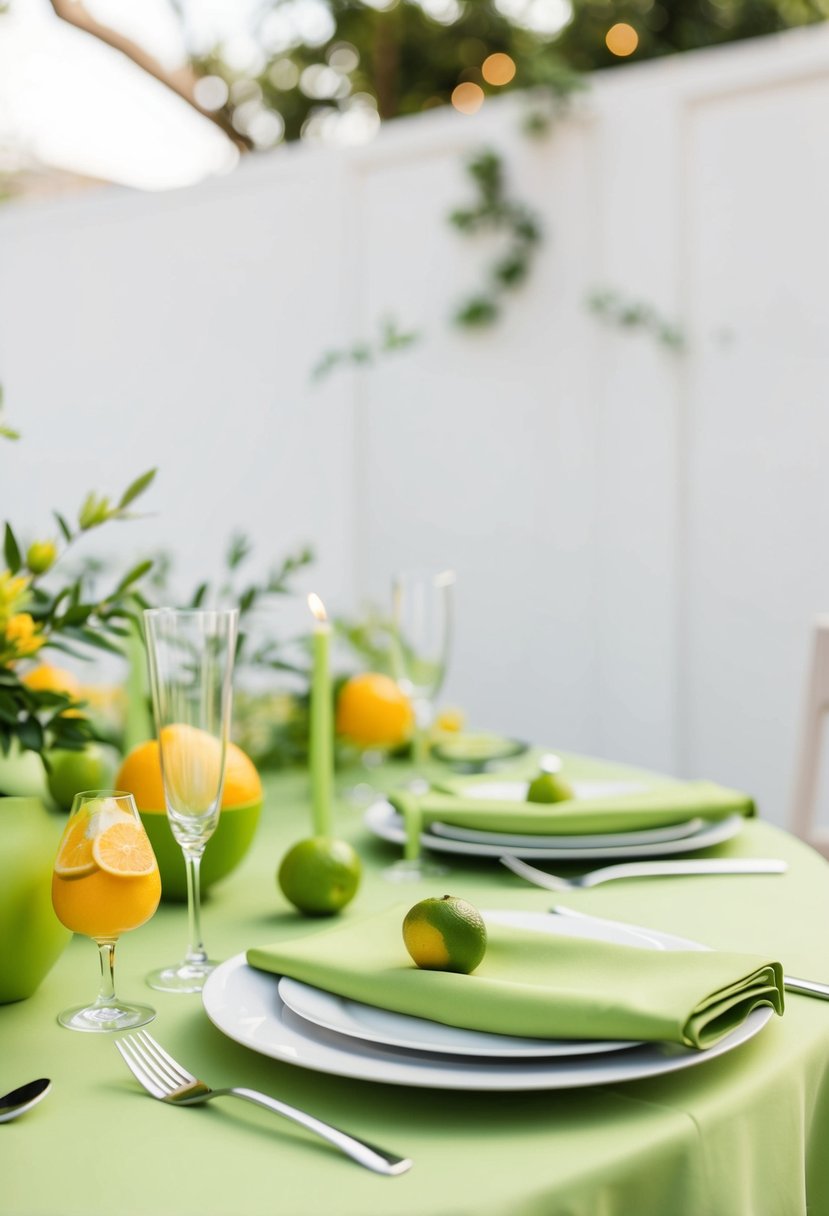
(383, 820)
(245, 1005)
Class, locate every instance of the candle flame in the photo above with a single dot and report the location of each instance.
(317, 607)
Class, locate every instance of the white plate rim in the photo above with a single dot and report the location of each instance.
(383, 820)
(674, 831)
(264, 1025)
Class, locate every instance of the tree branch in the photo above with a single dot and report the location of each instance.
(181, 81)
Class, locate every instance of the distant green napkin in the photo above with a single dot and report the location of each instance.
(648, 808)
(535, 985)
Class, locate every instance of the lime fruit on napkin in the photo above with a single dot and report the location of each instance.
(445, 934)
(549, 787)
(320, 875)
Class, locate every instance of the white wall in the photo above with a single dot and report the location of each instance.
(640, 537)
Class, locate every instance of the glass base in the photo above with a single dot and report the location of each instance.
(414, 870)
(182, 977)
(102, 1019)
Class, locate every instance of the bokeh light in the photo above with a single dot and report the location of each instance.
(468, 97)
(621, 39)
(211, 92)
(498, 69)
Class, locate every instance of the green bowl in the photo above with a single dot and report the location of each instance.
(224, 851)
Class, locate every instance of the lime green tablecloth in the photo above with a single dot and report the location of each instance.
(744, 1135)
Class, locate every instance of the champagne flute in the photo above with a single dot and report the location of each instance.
(422, 603)
(191, 655)
(105, 881)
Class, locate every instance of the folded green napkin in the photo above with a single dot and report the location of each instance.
(536, 985)
(649, 808)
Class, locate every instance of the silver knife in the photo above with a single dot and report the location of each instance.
(790, 982)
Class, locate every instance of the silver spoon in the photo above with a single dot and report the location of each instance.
(19, 1100)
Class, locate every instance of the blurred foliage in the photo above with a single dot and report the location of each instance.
(391, 339)
(512, 222)
(614, 309)
(6, 432)
(407, 57)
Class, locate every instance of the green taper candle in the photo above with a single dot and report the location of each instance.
(321, 743)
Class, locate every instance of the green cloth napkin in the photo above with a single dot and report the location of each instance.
(536, 985)
(649, 808)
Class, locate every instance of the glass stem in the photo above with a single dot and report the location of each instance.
(106, 954)
(196, 952)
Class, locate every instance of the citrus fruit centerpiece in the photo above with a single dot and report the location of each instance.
(446, 934)
(320, 875)
(140, 775)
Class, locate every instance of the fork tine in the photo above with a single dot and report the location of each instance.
(163, 1077)
(133, 1061)
(163, 1058)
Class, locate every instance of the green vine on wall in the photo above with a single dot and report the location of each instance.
(391, 338)
(494, 212)
(613, 308)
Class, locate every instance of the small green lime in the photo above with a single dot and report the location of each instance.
(549, 787)
(445, 934)
(92, 768)
(320, 875)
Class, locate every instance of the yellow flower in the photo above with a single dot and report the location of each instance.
(450, 720)
(13, 593)
(22, 633)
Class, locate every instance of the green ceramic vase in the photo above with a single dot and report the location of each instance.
(31, 936)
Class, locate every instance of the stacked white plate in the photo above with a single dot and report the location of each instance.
(685, 837)
(298, 1024)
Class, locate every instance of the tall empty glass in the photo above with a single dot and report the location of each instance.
(191, 669)
(422, 636)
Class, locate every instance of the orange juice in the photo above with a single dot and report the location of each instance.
(105, 879)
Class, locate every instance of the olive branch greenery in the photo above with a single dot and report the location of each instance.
(36, 616)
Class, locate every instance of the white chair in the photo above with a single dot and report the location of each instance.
(804, 810)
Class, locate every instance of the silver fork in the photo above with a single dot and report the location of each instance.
(166, 1080)
(643, 869)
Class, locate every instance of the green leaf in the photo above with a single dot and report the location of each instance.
(238, 550)
(136, 488)
(198, 597)
(11, 550)
(63, 525)
(132, 576)
(30, 735)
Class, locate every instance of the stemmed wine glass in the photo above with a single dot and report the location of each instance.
(422, 602)
(105, 881)
(191, 655)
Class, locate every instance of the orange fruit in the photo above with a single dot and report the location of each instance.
(373, 712)
(140, 775)
(242, 796)
(74, 857)
(445, 934)
(47, 678)
(123, 849)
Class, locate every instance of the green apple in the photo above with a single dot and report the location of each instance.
(93, 768)
(22, 774)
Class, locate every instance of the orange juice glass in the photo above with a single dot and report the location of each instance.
(105, 881)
